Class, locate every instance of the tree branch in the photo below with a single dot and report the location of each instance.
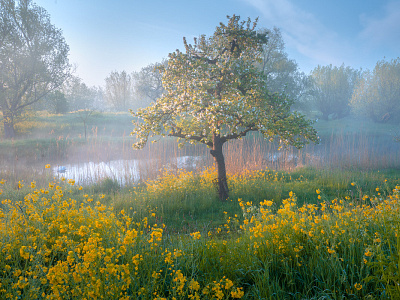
(179, 134)
(234, 136)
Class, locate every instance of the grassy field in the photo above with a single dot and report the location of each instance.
(317, 223)
(280, 236)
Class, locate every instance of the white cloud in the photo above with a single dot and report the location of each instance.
(384, 30)
(304, 32)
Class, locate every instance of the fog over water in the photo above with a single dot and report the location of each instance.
(122, 171)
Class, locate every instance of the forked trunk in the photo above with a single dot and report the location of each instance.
(216, 152)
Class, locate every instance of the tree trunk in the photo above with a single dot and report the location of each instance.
(9, 131)
(218, 155)
(325, 115)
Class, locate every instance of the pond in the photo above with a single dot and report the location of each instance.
(123, 171)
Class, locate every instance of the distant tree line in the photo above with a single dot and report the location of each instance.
(328, 92)
(35, 74)
(122, 92)
(340, 91)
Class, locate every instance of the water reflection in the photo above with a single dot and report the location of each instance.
(121, 170)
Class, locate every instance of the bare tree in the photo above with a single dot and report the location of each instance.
(148, 84)
(119, 90)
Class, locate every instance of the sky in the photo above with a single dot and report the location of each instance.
(106, 35)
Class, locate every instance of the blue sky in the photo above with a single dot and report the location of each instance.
(118, 35)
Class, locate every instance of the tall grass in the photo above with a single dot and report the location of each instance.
(321, 222)
(345, 143)
(340, 151)
(64, 241)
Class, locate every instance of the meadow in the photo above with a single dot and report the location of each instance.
(317, 223)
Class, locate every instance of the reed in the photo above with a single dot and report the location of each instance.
(365, 147)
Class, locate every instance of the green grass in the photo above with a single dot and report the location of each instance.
(171, 237)
(187, 201)
(329, 228)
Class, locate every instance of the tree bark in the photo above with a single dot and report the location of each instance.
(9, 131)
(218, 155)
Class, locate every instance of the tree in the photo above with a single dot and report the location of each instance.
(148, 83)
(333, 88)
(377, 94)
(215, 92)
(78, 94)
(119, 90)
(33, 58)
(5, 22)
(84, 115)
(282, 74)
(56, 102)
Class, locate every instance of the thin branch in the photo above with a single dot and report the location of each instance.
(238, 135)
(179, 134)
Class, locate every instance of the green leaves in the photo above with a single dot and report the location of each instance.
(377, 94)
(33, 58)
(216, 87)
(333, 89)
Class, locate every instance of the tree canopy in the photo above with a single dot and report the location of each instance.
(78, 94)
(33, 58)
(282, 73)
(148, 84)
(377, 94)
(333, 87)
(216, 92)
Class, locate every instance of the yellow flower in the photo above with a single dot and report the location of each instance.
(267, 203)
(353, 184)
(228, 284)
(194, 285)
(368, 253)
(238, 293)
(47, 166)
(358, 286)
(318, 191)
(331, 251)
(196, 235)
(22, 252)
